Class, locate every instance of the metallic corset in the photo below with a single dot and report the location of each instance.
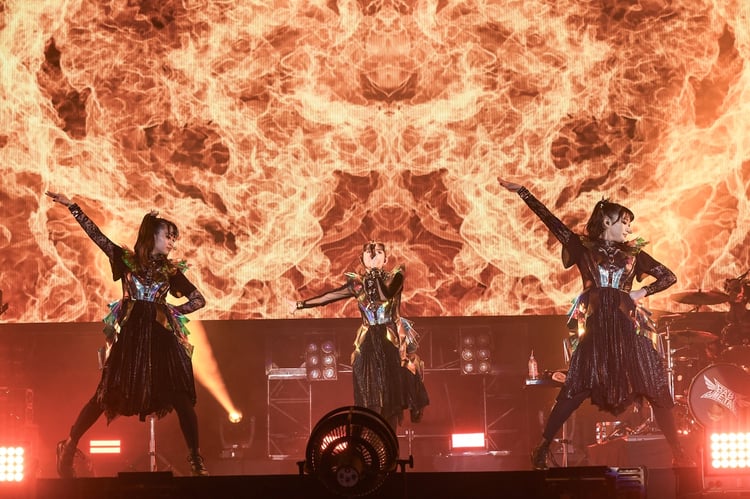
(377, 313)
(140, 290)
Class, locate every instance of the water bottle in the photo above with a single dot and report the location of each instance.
(533, 367)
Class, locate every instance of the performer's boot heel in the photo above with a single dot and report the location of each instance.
(539, 456)
(197, 467)
(66, 450)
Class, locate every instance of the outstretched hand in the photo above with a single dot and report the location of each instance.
(509, 185)
(292, 306)
(59, 198)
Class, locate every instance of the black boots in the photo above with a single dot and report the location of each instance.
(66, 451)
(539, 455)
(197, 468)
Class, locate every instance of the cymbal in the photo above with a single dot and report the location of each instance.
(689, 336)
(700, 297)
(665, 315)
(670, 317)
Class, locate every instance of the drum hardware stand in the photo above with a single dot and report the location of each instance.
(567, 353)
(649, 426)
(564, 441)
(152, 455)
(670, 360)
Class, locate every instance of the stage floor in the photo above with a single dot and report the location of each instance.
(590, 482)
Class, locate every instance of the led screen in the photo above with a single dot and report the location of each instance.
(281, 136)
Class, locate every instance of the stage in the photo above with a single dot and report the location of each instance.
(260, 364)
(638, 469)
(576, 482)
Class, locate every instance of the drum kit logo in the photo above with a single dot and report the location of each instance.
(722, 395)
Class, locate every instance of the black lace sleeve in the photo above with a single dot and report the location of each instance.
(195, 301)
(337, 294)
(180, 286)
(570, 240)
(93, 232)
(645, 264)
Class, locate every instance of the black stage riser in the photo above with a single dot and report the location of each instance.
(561, 483)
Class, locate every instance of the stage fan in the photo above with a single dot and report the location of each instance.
(351, 451)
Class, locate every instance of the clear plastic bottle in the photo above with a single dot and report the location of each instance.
(533, 367)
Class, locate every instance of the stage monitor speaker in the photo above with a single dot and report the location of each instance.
(585, 482)
(596, 482)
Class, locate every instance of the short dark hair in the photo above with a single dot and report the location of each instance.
(372, 246)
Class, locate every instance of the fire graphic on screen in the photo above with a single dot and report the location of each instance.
(280, 136)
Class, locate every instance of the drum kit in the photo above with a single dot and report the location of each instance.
(709, 374)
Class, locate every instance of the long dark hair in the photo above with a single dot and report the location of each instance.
(150, 225)
(605, 208)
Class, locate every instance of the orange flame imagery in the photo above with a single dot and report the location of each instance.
(280, 136)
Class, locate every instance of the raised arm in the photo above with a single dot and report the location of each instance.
(387, 289)
(554, 224)
(88, 225)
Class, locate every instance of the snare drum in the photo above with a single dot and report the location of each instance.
(719, 397)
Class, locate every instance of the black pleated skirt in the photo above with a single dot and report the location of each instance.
(146, 370)
(613, 363)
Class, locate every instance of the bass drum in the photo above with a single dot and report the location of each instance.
(719, 398)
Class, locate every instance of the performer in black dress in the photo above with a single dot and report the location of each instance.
(388, 375)
(612, 364)
(148, 370)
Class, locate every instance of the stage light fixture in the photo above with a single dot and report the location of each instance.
(236, 435)
(12, 464)
(475, 351)
(468, 441)
(729, 451)
(467, 354)
(321, 363)
(104, 447)
(484, 356)
(726, 460)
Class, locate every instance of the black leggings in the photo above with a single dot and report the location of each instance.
(182, 406)
(565, 407)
